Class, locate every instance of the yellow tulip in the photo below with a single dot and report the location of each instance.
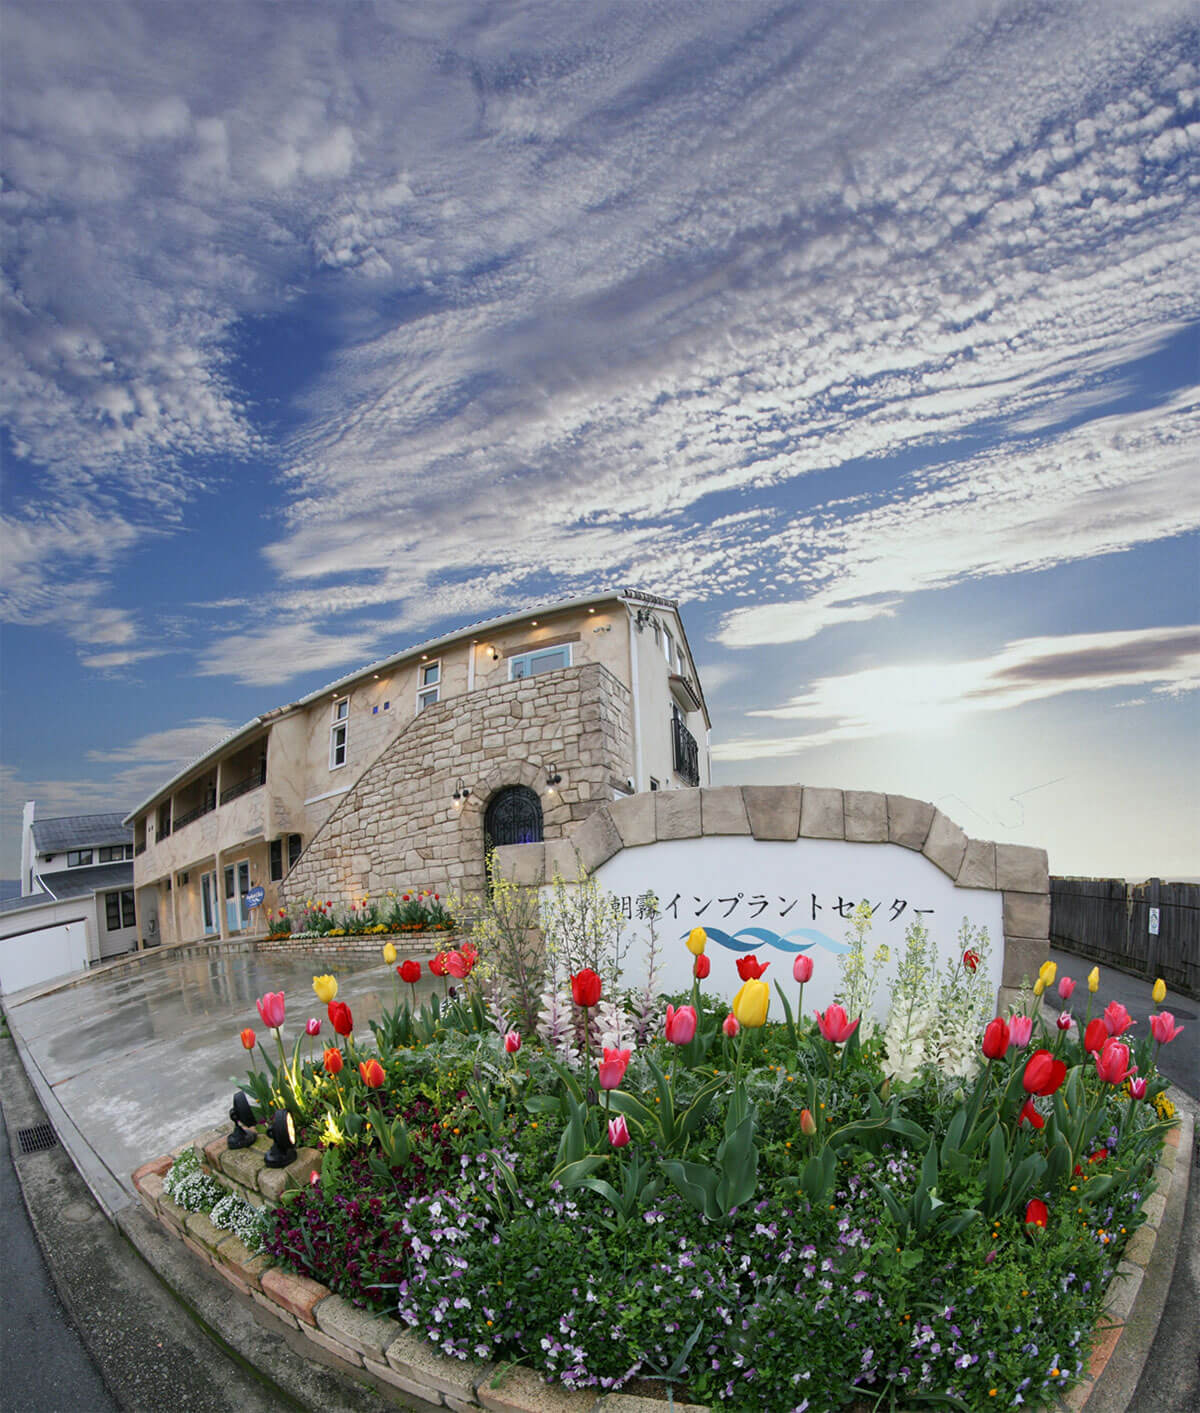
(325, 987)
(751, 1002)
(1094, 980)
(1039, 986)
(389, 953)
(1049, 972)
(697, 941)
(1160, 991)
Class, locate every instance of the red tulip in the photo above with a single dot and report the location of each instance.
(585, 987)
(270, 1008)
(1030, 1115)
(808, 1125)
(802, 968)
(512, 1042)
(1112, 1063)
(1094, 1036)
(701, 967)
(333, 1061)
(1163, 1027)
(1036, 1214)
(313, 1027)
(612, 1067)
(437, 965)
(372, 1073)
(456, 966)
(1137, 1088)
(730, 1025)
(618, 1131)
(681, 1024)
(970, 959)
(749, 968)
(995, 1039)
(1043, 1073)
(340, 1017)
(470, 954)
(835, 1025)
(1064, 1020)
(409, 971)
(248, 1038)
(1117, 1019)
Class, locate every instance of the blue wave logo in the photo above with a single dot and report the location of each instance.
(749, 939)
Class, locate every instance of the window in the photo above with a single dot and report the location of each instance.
(540, 660)
(668, 647)
(276, 852)
(78, 857)
(164, 819)
(118, 910)
(429, 679)
(337, 733)
(116, 853)
(294, 846)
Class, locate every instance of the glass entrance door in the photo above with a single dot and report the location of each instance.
(208, 903)
(237, 885)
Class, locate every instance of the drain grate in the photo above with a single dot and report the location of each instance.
(36, 1139)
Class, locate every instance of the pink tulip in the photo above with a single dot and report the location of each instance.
(802, 968)
(1020, 1029)
(1064, 1021)
(612, 1067)
(1065, 987)
(512, 1042)
(1164, 1028)
(835, 1025)
(314, 1026)
(1112, 1063)
(1137, 1088)
(270, 1008)
(1117, 1019)
(730, 1025)
(681, 1024)
(618, 1131)
(456, 965)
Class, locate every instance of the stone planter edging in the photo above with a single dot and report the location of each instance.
(358, 1341)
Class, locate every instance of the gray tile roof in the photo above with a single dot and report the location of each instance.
(80, 831)
(80, 882)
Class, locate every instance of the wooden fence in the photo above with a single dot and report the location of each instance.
(1108, 920)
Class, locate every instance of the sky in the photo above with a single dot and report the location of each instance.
(869, 332)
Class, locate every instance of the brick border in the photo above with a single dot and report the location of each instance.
(360, 1343)
(1020, 874)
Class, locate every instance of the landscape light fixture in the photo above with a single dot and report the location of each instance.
(553, 778)
(244, 1122)
(461, 792)
(283, 1141)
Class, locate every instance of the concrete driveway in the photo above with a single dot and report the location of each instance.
(131, 1061)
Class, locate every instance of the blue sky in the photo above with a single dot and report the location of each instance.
(869, 332)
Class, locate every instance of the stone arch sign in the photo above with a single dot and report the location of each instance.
(776, 869)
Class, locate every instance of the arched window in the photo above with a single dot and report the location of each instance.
(514, 816)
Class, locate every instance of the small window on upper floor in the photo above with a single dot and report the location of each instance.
(338, 733)
(77, 858)
(429, 682)
(540, 660)
(116, 853)
(669, 648)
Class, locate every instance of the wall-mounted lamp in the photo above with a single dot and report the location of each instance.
(283, 1141)
(493, 654)
(553, 778)
(242, 1114)
(461, 792)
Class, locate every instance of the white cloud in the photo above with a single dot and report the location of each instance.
(933, 696)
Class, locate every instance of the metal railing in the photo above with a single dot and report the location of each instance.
(189, 815)
(243, 787)
(686, 752)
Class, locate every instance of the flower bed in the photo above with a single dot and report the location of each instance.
(781, 1215)
(399, 912)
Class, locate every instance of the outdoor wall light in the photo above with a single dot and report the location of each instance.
(493, 654)
(461, 792)
(553, 778)
(283, 1141)
(242, 1114)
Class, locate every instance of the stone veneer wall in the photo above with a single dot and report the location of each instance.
(1020, 873)
(398, 826)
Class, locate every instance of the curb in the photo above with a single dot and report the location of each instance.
(390, 1356)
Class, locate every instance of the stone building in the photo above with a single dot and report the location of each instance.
(401, 774)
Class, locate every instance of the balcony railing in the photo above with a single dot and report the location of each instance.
(243, 787)
(189, 815)
(686, 752)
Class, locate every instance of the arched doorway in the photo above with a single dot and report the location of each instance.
(513, 816)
